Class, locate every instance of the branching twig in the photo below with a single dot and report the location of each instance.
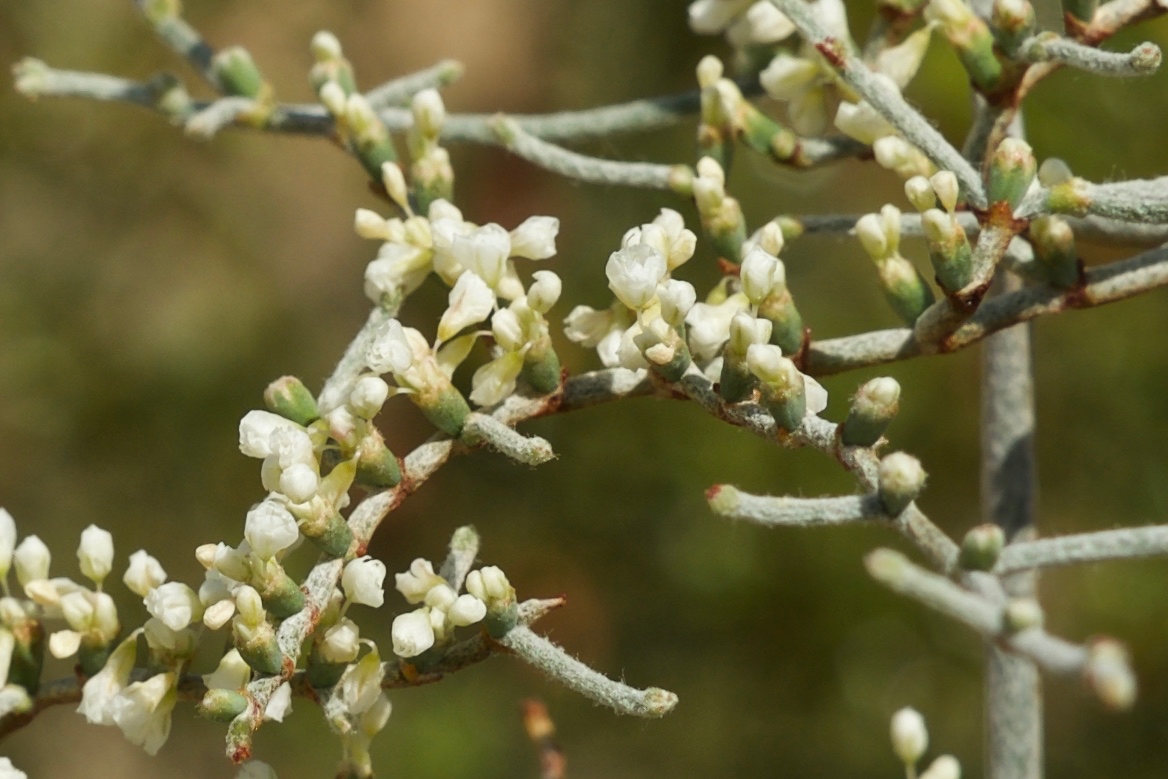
(1143, 60)
(1085, 548)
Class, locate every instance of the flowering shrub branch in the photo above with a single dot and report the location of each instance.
(1000, 231)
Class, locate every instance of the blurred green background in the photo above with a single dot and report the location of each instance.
(151, 286)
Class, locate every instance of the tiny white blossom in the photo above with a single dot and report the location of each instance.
(746, 330)
(759, 272)
(232, 673)
(945, 185)
(7, 542)
(762, 23)
(709, 188)
(280, 704)
(441, 597)
(143, 711)
(341, 642)
(766, 361)
(909, 736)
(299, 483)
(493, 582)
(392, 177)
(143, 574)
(419, 580)
(712, 16)
(360, 686)
(708, 326)
(174, 604)
(32, 560)
(587, 326)
(494, 381)
(862, 122)
(677, 298)
(466, 610)
(634, 273)
(429, 112)
(390, 351)
(412, 633)
(64, 643)
(371, 225)
(256, 429)
(270, 529)
(291, 445)
(508, 330)
(332, 95)
(470, 302)
(256, 769)
(368, 396)
(944, 767)
(544, 291)
(484, 252)
(101, 688)
(362, 581)
(535, 239)
(96, 554)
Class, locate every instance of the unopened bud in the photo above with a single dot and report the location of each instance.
(1021, 614)
(1108, 673)
(222, 705)
(237, 72)
(1054, 172)
(376, 465)
(920, 193)
(1013, 22)
(945, 184)
(901, 480)
(944, 767)
(1054, 247)
(873, 409)
(910, 737)
(1012, 168)
(288, 397)
(949, 250)
(980, 547)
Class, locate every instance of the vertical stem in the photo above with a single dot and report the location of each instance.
(1013, 693)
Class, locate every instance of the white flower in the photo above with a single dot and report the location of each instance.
(708, 326)
(143, 574)
(494, 381)
(256, 769)
(412, 633)
(7, 542)
(489, 583)
(634, 273)
(280, 704)
(368, 396)
(64, 643)
(270, 529)
(759, 272)
(360, 686)
(291, 446)
(398, 265)
(9, 771)
(769, 238)
(390, 351)
(419, 580)
(484, 252)
(392, 177)
(299, 483)
(508, 330)
(944, 767)
(709, 187)
(945, 185)
(174, 604)
(466, 610)
(909, 736)
(746, 330)
(371, 225)
(103, 687)
(800, 82)
(250, 606)
(712, 16)
(862, 122)
(676, 298)
(143, 711)
(471, 301)
(766, 361)
(544, 291)
(362, 581)
(256, 429)
(587, 326)
(232, 673)
(762, 23)
(535, 239)
(341, 642)
(32, 559)
(901, 157)
(901, 62)
(96, 554)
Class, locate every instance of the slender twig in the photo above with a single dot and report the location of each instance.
(1104, 545)
(1143, 60)
(731, 502)
(1013, 697)
(1104, 284)
(398, 91)
(225, 112)
(540, 653)
(899, 574)
(581, 167)
(915, 128)
(482, 429)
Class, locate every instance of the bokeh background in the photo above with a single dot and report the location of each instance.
(151, 286)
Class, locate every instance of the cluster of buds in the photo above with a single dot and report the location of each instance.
(430, 169)
(1052, 236)
(727, 116)
(441, 608)
(949, 248)
(910, 739)
(904, 287)
(745, 22)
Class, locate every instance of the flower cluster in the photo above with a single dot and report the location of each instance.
(489, 595)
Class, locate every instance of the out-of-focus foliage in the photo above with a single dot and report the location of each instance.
(151, 286)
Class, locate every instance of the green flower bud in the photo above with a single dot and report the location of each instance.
(288, 397)
(222, 705)
(949, 250)
(238, 74)
(280, 593)
(541, 367)
(1021, 614)
(980, 548)
(873, 409)
(376, 465)
(901, 480)
(1054, 248)
(1012, 169)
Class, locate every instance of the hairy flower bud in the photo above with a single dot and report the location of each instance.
(901, 480)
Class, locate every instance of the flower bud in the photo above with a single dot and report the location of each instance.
(910, 738)
(1012, 169)
(429, 113)
(368, 396)
(709, 70)
(920, 193)
(325, 46)
(1013, 22)
(95, 555)
(362, 581)
(1054, 172)
(634, 273)
(32, 560)
(174, 604)
(237, 72)
(945, 184)
(342, 642)
(758, 273)
(419, 580)
(467, 610)
(1021, 614)
(334, 98)
(412, 633)
(944, 767)
(535, 238)
(677, 299)
(1108, 672)
(377, 467)
(901, 480)
(270, 529)
(1054, 246)
(784, 389)
(222, 705)
(949, 250)
(870, 231)
(873, 409)
(144, 573)
(544, 291)
(980, 547)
